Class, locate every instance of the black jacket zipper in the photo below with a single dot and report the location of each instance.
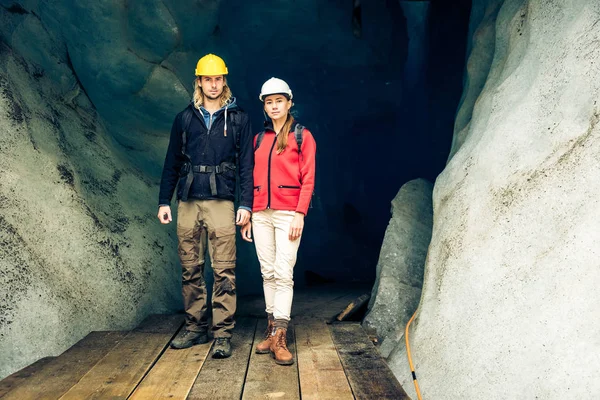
(269, 173)
(211, 122)
(201, 118)
(288, 187)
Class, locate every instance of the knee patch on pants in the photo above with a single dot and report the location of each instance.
(190, 246)
(223, 244)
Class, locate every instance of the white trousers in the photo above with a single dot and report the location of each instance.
(277, 256)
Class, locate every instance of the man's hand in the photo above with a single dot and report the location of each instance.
(243, 216)
(164, 214)
(247, 232)
(297, 226)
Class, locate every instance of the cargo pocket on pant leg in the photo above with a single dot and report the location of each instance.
(224, 245)
(189, 245)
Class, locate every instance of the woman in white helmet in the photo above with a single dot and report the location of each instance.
(284, 179)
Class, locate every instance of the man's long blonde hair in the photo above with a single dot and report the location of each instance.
(199, 96)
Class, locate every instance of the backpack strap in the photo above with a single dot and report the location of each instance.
(298, 134)
(259, 139)
(186, 119)
(236, 122)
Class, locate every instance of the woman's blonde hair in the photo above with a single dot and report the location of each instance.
(199, 96)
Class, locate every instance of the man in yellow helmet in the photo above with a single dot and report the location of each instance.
(210, 141)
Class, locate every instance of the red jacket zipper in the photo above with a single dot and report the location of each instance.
(269, 173)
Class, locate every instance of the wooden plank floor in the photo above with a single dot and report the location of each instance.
(224, 379)
(333, 361)
(117, 374)
(22, 377)
(61, 373)
(322, 376)
(173, 374)
(267, 380)
(367, 372)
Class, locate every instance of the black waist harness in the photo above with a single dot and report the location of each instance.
(189, 170)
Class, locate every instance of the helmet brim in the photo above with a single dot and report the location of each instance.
(286, 95)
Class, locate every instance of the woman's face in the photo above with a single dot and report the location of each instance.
(277, 106)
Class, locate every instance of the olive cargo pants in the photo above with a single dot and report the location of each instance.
(198, 220)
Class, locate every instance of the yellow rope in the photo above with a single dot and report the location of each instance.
(412, 367)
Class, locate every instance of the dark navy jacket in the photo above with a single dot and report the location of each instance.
(210, 147)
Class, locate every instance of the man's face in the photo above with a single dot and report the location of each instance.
(212, 86)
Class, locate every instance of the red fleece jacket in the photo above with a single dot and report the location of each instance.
(284, 181)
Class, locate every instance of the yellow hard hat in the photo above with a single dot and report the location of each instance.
(211, 65)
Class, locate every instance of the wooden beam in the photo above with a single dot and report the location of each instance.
(353, 307)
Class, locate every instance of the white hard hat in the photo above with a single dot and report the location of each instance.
(275, 86)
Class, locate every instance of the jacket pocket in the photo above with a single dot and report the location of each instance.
(225, 184)
(287, 190)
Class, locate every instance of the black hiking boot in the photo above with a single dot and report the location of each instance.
(187, 339)
(222, 347)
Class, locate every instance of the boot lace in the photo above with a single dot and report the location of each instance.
(281, 341)
(268, 332)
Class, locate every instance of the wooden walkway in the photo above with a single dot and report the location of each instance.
(333, 361)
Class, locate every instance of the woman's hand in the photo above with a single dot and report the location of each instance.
(247, 231)
(297, 226)
(164, 214)
(243, 216)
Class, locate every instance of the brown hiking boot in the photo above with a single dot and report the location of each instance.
(279, 349)
(264, 347)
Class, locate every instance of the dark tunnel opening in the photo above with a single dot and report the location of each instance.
(403, 133)
(377, 125)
